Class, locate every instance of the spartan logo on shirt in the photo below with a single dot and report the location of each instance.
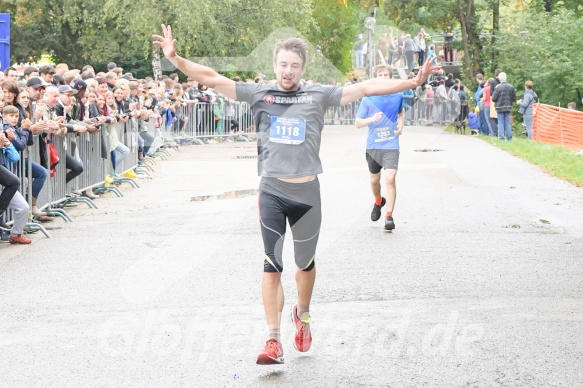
(302, 98)
(268, 99)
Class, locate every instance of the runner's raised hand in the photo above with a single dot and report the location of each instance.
(166, 42)
(425, 71)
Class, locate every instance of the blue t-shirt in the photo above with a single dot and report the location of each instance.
(431, 54)
(381, 134)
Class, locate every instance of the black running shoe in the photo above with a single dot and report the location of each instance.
(389, 223)
(376, 210)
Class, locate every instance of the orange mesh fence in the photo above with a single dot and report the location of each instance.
(557, 126)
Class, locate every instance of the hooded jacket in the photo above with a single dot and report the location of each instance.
(526, 105)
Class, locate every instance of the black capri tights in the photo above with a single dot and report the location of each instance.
(299, 204)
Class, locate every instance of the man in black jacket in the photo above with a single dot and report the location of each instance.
(504, 96)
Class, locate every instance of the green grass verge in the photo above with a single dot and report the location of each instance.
(555, 160)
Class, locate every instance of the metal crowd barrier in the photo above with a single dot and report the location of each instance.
(341, 115)
(98, 173)
(23, 169)
(205, 121)
(420, 112)
(126, 134)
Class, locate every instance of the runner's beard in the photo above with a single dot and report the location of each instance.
(288, 86)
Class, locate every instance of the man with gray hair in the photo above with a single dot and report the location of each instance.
(504, 96)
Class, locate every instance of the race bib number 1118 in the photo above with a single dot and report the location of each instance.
(287, 130)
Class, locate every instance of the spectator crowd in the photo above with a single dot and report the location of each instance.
(51, 102)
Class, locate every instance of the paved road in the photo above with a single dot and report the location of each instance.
(480, 284)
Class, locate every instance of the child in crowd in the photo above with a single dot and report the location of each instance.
(10, 197)
(21, 137)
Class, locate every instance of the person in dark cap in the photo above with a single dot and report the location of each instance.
(36, 82)
(36, 88)
(79, 85)
(111, 66)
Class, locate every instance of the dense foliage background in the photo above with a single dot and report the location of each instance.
(536, 39)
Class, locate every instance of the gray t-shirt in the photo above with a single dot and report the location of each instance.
(289, 127)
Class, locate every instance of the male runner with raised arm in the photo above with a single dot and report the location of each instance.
(289, 121)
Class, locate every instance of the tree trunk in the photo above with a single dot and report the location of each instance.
(74, 49)
(466, 13)
(156, 65)
(495, 29)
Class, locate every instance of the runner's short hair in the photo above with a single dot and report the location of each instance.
(295, 45)
(377, 69)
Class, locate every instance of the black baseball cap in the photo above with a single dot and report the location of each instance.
(37, 82)
(78, 84)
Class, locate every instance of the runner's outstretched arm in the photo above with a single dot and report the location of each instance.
(202, 74)
(379, 87)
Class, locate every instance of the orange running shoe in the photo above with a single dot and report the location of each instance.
(272, 353)
(303, 337)
(19, 239)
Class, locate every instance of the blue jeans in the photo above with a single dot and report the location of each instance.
(420, 58)
(528, 123)
(39, 176)
(488, 121)
(122, 150)
(482, 122)
(504, 127)
(148, 141)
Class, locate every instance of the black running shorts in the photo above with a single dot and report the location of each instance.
(300, 205)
